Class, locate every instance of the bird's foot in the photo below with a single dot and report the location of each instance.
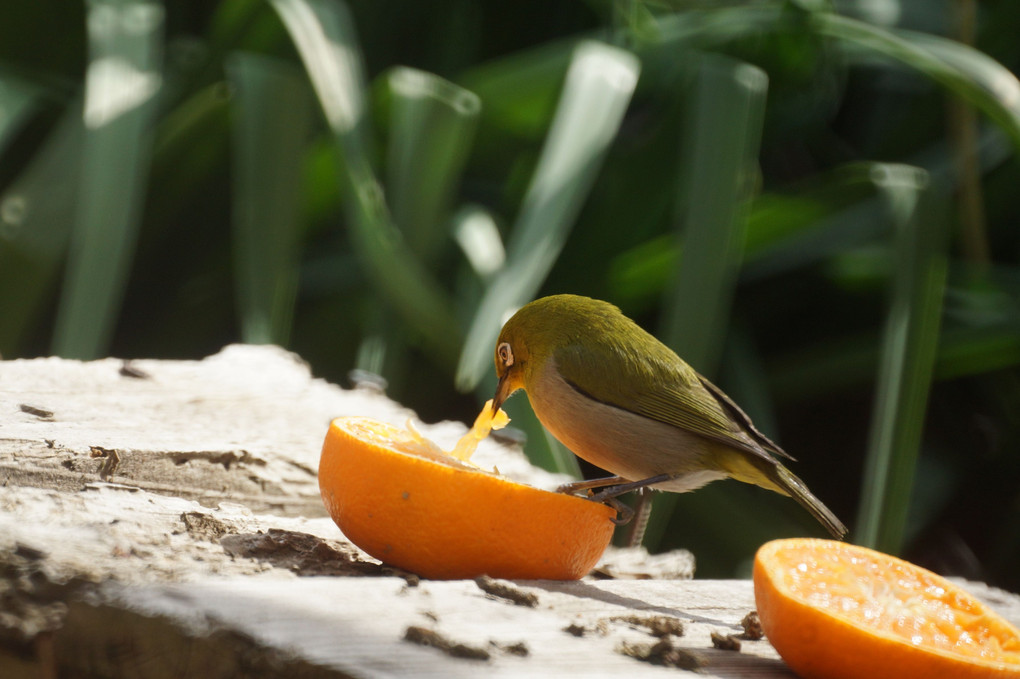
(584, 489)
(612, 487)
(621, 488)
(576, 487)
(624, 513)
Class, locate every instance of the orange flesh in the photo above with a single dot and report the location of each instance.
(901, 600)
(836, 610)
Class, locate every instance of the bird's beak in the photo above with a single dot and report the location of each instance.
(503, 391)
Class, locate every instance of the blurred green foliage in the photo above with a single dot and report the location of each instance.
(815, 202)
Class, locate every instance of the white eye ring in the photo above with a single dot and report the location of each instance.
(505, 354)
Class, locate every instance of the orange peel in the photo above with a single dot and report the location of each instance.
(838, 611)
(405, 501)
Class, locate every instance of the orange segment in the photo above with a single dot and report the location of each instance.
(834, 610)
(421, 510)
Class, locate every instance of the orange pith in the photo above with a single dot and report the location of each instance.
(834, 610)
(444, 519)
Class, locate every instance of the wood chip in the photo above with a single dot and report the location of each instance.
(111, 461)
(41, 413)
(725, 642)
(662, 652)
(752, 627)
(518, 648)
(657, 625)
(128, 369)
(428, 637)
(203, 526)
(505, 590)
(299, 553)
(575, 629)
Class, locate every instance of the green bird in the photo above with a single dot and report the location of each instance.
(624, 401)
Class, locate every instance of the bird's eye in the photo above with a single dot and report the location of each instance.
(506, 355)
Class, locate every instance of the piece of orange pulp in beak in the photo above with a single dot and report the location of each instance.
(486, 422)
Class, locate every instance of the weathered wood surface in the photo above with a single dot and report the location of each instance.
(162, 519)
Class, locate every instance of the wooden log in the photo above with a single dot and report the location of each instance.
(162, 519)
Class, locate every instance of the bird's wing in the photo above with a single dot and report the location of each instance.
(660, 386)
(745, 422)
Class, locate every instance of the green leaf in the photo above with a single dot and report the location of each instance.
(123, 78)
(519, 91)
(18, 99)
(191, 145)
(36, 214)
(907, 358)
(719, 169)
(432, 125)
(598, 88)
(722, 140)
(272, 122)
(476, 233)
(963, 70)
(323, 33)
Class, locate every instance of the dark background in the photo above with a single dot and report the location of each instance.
(808, 313)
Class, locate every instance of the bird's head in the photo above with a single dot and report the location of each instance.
(535, 333)
(511, 358)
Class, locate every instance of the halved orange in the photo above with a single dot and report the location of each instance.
(834, 610)
(406, 503)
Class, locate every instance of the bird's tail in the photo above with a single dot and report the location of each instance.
(795, 488)
(767, 472)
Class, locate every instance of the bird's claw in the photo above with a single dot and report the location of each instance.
(624, 513)
(612, 487)
(576, 487)
(607, 496)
